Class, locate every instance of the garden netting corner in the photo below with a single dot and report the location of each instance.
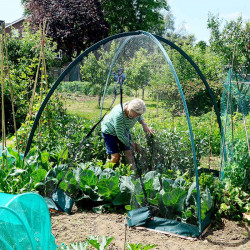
(25, 222)
(235, 108)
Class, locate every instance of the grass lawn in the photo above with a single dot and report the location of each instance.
(87, 106)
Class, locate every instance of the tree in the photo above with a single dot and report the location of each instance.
(211, 66)
(95, 68)
(128, 15)
(223, 39)
(163, 88)
(202, 45)
(137, 70)
(73, 24)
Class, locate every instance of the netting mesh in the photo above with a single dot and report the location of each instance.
(169, 159)
(25, 222)
(235, 107)
(97, 78)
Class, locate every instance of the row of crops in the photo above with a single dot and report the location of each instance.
(96, 184)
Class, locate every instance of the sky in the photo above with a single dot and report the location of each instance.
(193, 14)
(190, 14)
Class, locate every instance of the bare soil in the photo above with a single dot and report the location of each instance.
(78, 226)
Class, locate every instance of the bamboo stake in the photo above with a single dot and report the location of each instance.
(231, 113)
(35, 85)
(2, 89)
(229, 98)
(36, 78)
(43, 59)
(43, 67)
(157, 104)
(210, 133)
(245, 125)
(43, 56)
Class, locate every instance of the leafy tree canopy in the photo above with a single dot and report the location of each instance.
(234, 34)
(95, 70)
(73, 24)
(202, 45)
(137, 69)
(127, 15)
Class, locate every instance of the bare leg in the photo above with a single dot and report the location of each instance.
(129, 157)
(115, 158)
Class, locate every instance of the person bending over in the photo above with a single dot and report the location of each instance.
(116, 126)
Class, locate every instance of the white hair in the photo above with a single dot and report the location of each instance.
(137, 105)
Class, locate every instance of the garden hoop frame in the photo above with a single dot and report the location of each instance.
(156, 40)
(96, 46)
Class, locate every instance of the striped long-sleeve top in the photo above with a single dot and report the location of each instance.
(118, 124)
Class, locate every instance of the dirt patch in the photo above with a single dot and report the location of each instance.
(78, 226)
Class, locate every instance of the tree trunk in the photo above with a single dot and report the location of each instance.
(142, 94)
(99, 100)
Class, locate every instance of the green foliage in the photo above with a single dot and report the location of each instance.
(19, 175)
(146, 68)
(165, 150)
(23, 56)
(71, 87)
(53, 126)
(170, 147)
(129, 16)
(109, 188)
(163, 87)
(102, 188)
(236, 168)
(74, 246)
(95, 69)
(138, 70)
(61, 131)
(225, 38)
(196, 96)
(170, 188)
(139, 246)
(88, 89)
(231, 201)
(229, 196)
(174, 199)
(94, 241)
(238, 174)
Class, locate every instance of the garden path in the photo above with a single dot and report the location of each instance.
(78, 226)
